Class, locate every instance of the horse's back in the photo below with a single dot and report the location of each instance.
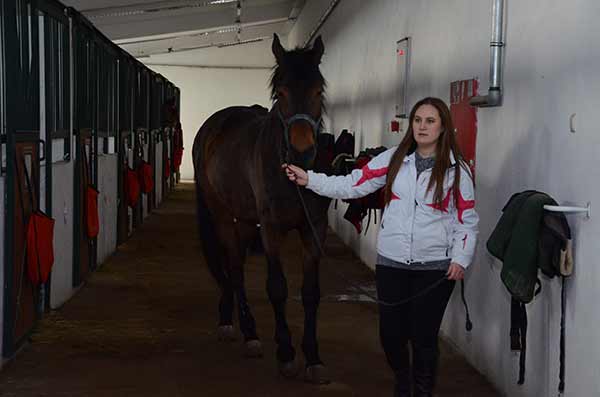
(220, 120)
(223, 153)
(230, 121)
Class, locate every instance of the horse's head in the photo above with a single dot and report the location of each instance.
(298, 86)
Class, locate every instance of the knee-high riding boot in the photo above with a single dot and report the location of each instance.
(402, 386)
(424, 371)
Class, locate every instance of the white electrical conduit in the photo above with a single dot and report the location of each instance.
(150, 7)
(321, 21)
(218, 31)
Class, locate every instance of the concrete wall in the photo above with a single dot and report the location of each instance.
(551, 73)
(62, 212)
(206, 90)
(107, 205)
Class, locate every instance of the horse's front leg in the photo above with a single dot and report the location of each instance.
(236, 237)
(277, 290)
(311, 296)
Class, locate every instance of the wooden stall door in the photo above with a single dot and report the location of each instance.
(152, 162)
(85, 247)
(122, 210)
(24, 296)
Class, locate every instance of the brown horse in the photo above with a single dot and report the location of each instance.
(237, 156)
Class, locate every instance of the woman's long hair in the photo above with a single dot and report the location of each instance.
(446, 144)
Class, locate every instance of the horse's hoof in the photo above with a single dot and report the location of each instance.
(226, 333)
(317, 375)
(289, 369)
(253, 349)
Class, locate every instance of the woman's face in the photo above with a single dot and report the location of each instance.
(427, 126)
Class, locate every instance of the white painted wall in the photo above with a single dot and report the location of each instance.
(551, 72)
(207, 90)
(62, 212)
(107, 205)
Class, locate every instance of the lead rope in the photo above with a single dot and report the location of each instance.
(355, 285)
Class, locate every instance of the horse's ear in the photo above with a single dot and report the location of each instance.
(318, 50)
(278, 50)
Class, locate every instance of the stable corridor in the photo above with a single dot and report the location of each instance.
(144, 325)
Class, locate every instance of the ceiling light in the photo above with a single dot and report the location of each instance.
(231, 43)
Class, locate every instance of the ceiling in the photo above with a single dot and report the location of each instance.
(154, 28)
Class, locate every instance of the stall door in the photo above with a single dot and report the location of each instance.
(137, 154)
(23, 298)
(122, 210)
(152, 162)
(85, 247)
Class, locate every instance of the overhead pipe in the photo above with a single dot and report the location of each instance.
(220, 30)
(225, 67)
(152, 7)
(172, 50)
(321, 21)
(494, 95)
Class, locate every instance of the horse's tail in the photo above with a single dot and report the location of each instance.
(207, 231)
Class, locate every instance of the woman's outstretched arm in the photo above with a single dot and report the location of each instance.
(359, 183)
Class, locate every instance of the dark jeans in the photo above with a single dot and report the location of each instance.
(417, 321)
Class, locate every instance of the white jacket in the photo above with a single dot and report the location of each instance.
(412, 229)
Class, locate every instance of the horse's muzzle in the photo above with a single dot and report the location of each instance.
(304, 159)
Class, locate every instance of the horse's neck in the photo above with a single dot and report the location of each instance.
(272, 135)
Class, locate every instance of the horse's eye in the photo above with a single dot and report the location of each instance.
(282, 93)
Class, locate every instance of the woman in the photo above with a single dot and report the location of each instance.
(426, 238)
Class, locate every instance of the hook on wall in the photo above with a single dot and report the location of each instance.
(571, 210)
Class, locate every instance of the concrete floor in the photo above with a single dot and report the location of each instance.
(144, 325)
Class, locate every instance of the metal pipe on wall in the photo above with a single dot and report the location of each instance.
(495, 94)
(321, 21)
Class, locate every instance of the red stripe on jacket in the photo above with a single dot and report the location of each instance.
(368, 174)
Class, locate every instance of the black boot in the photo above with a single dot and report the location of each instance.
(402, 386)
(401, 391)
(424, 371)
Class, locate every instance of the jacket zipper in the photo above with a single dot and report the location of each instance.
(412, 228)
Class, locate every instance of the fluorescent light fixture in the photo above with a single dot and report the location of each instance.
(125, 11)
(231, 43)
(221, 30)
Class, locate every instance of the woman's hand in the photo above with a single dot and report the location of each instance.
(296, 174)
(455, 272)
